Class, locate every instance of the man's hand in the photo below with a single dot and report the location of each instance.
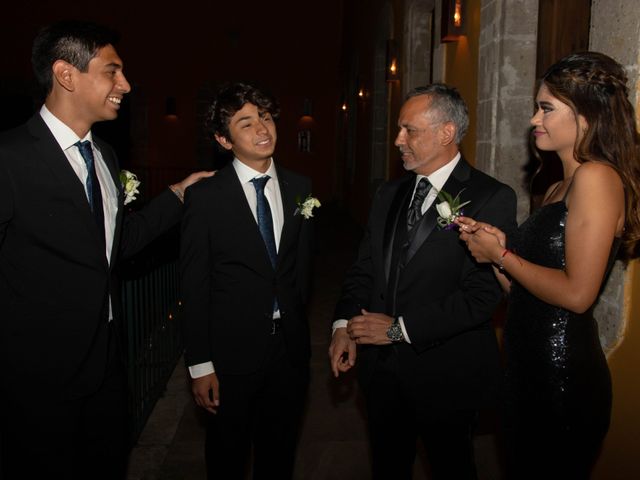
(180, 187)
(341, 344)
(206, 392)
(370, 328)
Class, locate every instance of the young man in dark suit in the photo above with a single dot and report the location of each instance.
(245, 260)
(63, 411)
(417, 304)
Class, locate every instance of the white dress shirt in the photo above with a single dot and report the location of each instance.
(437, 180)
(272, 193)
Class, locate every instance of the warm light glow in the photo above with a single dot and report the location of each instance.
(361, 93)
(457, 14)
(393, 67)
(344, 107)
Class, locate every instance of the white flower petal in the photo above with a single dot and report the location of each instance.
(444, 210)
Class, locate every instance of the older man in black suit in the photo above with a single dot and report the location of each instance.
(62, 231)
(417, 304)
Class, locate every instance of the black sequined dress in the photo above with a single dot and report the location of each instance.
(558, 383)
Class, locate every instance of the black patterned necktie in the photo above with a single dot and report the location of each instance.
(93, 185)
(265, 222)
(415, 209)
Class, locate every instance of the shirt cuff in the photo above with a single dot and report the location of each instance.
(338, 324)
(201, 369)
(404, 330)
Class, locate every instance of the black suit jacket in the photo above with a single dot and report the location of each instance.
(445, 298)
(228, 281)
(55, 280)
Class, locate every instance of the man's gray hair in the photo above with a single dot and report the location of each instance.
(446, 106)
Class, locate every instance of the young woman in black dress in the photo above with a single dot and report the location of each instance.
(558, 383)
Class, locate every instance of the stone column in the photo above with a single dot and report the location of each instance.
(506, 82)
(615, 31)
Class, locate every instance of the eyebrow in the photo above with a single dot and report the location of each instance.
(246, 117)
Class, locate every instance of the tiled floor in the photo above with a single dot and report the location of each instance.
(333, 442)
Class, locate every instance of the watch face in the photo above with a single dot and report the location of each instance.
(395, 332)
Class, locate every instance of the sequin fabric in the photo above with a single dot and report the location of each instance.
(558, 383)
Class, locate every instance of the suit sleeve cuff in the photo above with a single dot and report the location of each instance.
(201, 369)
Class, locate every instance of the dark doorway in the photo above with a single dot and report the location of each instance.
(563, 27)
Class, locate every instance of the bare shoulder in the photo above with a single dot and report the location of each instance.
(596, 181)
(597, 172)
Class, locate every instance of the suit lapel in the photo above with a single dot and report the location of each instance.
(424, 228)
(112, 165)
(49, 152)
(288, 192)
(454, 184)
(396, 211)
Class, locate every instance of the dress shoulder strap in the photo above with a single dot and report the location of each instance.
(550, 194)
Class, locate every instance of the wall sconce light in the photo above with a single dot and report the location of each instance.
(392, 71)
(452, 25)
(170, 109)
(361, 91)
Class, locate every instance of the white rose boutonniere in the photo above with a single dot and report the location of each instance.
(130, 184)
(306, 208)
(449, 209)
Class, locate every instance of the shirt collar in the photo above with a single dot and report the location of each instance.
(440, 176)
(246, 173)
(61, 132)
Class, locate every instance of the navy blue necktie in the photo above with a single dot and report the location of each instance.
(93, 185)
(414, 214)
(265, 222)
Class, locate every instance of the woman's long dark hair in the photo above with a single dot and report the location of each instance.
(595, 86)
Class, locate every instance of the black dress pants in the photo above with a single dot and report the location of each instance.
(260, 410)
(56, 435)
(399, 414)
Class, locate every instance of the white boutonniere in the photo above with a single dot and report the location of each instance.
(130, 184)
(306, 208)
(449, 209)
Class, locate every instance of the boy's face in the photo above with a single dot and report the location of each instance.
(252, 135)
(101, 88)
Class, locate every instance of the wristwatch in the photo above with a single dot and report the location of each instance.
(394, 333)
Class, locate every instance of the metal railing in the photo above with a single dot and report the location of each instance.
(154, 342)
